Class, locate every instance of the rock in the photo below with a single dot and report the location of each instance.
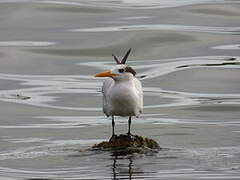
(125, 144)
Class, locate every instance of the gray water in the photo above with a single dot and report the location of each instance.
(186, 53)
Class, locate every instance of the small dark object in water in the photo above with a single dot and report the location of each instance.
(231, 59)
(124, 144)
(19, 96)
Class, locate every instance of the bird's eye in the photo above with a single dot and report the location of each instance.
(121, 70)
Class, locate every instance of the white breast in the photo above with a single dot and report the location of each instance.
(122, 98)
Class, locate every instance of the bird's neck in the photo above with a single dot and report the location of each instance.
(125, 79)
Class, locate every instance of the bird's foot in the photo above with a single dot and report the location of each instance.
(114, 136)
(129, 134)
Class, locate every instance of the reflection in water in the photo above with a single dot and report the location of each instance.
(40, 90)
(74, 9)
(120, 172)
(228, 47)
(43, 179)
(196, 163)
(25, 43)
(166, 27)
(208, 65)
(132, 4)
(154, 39)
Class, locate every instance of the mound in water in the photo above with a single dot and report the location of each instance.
(125, 144)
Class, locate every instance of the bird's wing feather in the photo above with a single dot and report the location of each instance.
(107, 84)
(138, 86)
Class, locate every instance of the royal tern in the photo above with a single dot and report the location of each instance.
(122, 92)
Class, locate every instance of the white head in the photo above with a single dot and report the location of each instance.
(120, 71)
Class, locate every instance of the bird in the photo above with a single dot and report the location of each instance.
(122, 92)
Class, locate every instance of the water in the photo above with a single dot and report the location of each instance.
(187, 57)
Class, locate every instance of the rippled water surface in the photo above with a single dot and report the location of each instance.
(187, 57)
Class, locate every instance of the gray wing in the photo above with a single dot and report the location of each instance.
(138, 86)
(107, 85)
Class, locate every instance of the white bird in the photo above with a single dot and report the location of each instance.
(122, 92)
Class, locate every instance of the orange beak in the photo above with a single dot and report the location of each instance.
(104, 74)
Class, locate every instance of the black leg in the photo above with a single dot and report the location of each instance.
(129, 125)
(113, 125)
(113, 132)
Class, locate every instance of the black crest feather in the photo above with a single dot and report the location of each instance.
(130, 70)
(124, 59)
(116, 59)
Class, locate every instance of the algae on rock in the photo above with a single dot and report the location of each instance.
(125, 144)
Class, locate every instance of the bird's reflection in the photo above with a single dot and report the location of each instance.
(123, 168)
